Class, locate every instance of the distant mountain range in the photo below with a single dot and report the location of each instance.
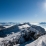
(42, 23)
(14, 23)
(7, 23)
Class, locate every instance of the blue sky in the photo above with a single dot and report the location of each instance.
(22, 10)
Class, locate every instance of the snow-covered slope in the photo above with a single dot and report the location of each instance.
(41, 41)
(8, 26)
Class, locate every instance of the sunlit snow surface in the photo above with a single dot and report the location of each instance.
(34, 23)
(8, 26)
(24, 26)
(41, 41)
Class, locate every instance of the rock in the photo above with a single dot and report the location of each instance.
(40, 31)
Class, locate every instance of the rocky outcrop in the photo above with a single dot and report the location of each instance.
(41, 31)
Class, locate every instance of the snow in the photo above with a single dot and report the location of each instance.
(45, 29)
(38, 25)
(34, 23)
(8, 26)
(41, 41)
(24, 26)
(1, 39)
(18, 37)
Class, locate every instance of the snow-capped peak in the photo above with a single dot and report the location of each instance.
(24, 26)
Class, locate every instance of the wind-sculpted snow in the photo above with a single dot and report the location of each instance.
(24, 34)
(41, 41)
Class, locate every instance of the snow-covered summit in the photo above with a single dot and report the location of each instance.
(24, 26)
(20, 33)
